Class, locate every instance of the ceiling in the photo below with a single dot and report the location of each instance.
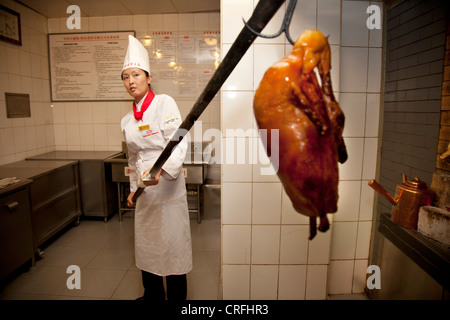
(96, 8)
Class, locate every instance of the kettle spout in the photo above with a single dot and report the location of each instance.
(378, 188)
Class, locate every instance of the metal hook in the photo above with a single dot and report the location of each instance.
(284, 27)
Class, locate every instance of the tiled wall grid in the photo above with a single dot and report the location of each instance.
(266, 253)
(24, 69)
(415, 47)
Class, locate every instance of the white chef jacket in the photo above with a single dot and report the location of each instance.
(162, 228)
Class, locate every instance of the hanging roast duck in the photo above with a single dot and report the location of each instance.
(309, 121)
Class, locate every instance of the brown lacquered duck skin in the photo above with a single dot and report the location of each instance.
(310, 123)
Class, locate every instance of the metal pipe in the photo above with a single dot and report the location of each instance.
(264, 11)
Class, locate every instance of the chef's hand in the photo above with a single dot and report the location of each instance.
(130, 202)
(155, 180)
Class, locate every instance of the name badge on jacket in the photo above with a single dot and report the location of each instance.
(146, 131)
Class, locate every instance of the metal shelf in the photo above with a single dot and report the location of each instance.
(432, 256)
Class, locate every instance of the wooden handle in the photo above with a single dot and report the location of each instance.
(378, 188)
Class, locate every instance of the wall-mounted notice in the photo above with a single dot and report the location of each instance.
(87, 66)
(182, 63)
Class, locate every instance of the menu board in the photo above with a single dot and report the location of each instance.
(181, 64)
(87, 66)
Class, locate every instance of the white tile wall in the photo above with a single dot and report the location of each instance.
(266, 202)
(281, 262)
(319, 249)
(236, 81)
(237, 205)
(236, 282)
(24, 69)
(372, 115)
(352, 168)
(265, 244)
(263, 282)
(328, 19)
(366, 202)
(237, 111)
(374, 70)
(359, 275)
(354, 69)
(316, 282)
(232, 22)
(294, 244)
(341, 276)
(348, 203)
(354, 107)
(363, 240)
(236, 244)
(354, 30)
(361, 59)
(343, 240)
(292, 282)
(370, 158)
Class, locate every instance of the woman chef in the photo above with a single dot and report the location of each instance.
(162, 229)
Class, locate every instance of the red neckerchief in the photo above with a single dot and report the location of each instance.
(148, 99)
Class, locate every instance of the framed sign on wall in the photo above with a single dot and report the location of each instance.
(10, 26)
(87, 66)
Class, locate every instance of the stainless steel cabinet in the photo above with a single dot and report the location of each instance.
(98, 192)
(16, 244)
(54, 194)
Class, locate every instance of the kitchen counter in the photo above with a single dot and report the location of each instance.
(54, 194)
(98, 195)
(13, 187)
(28, 170)
(75, 155)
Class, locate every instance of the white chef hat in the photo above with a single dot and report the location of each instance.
(137, 55)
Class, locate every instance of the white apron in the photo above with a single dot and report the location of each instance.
(162, 227)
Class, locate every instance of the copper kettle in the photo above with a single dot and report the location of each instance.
(409, 197)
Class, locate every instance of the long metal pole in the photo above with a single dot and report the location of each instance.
(264, 11)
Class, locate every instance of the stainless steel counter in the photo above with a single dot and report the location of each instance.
(98, 195)
(54, 194)
(28, 170)
(75, 155)
(13, 187)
